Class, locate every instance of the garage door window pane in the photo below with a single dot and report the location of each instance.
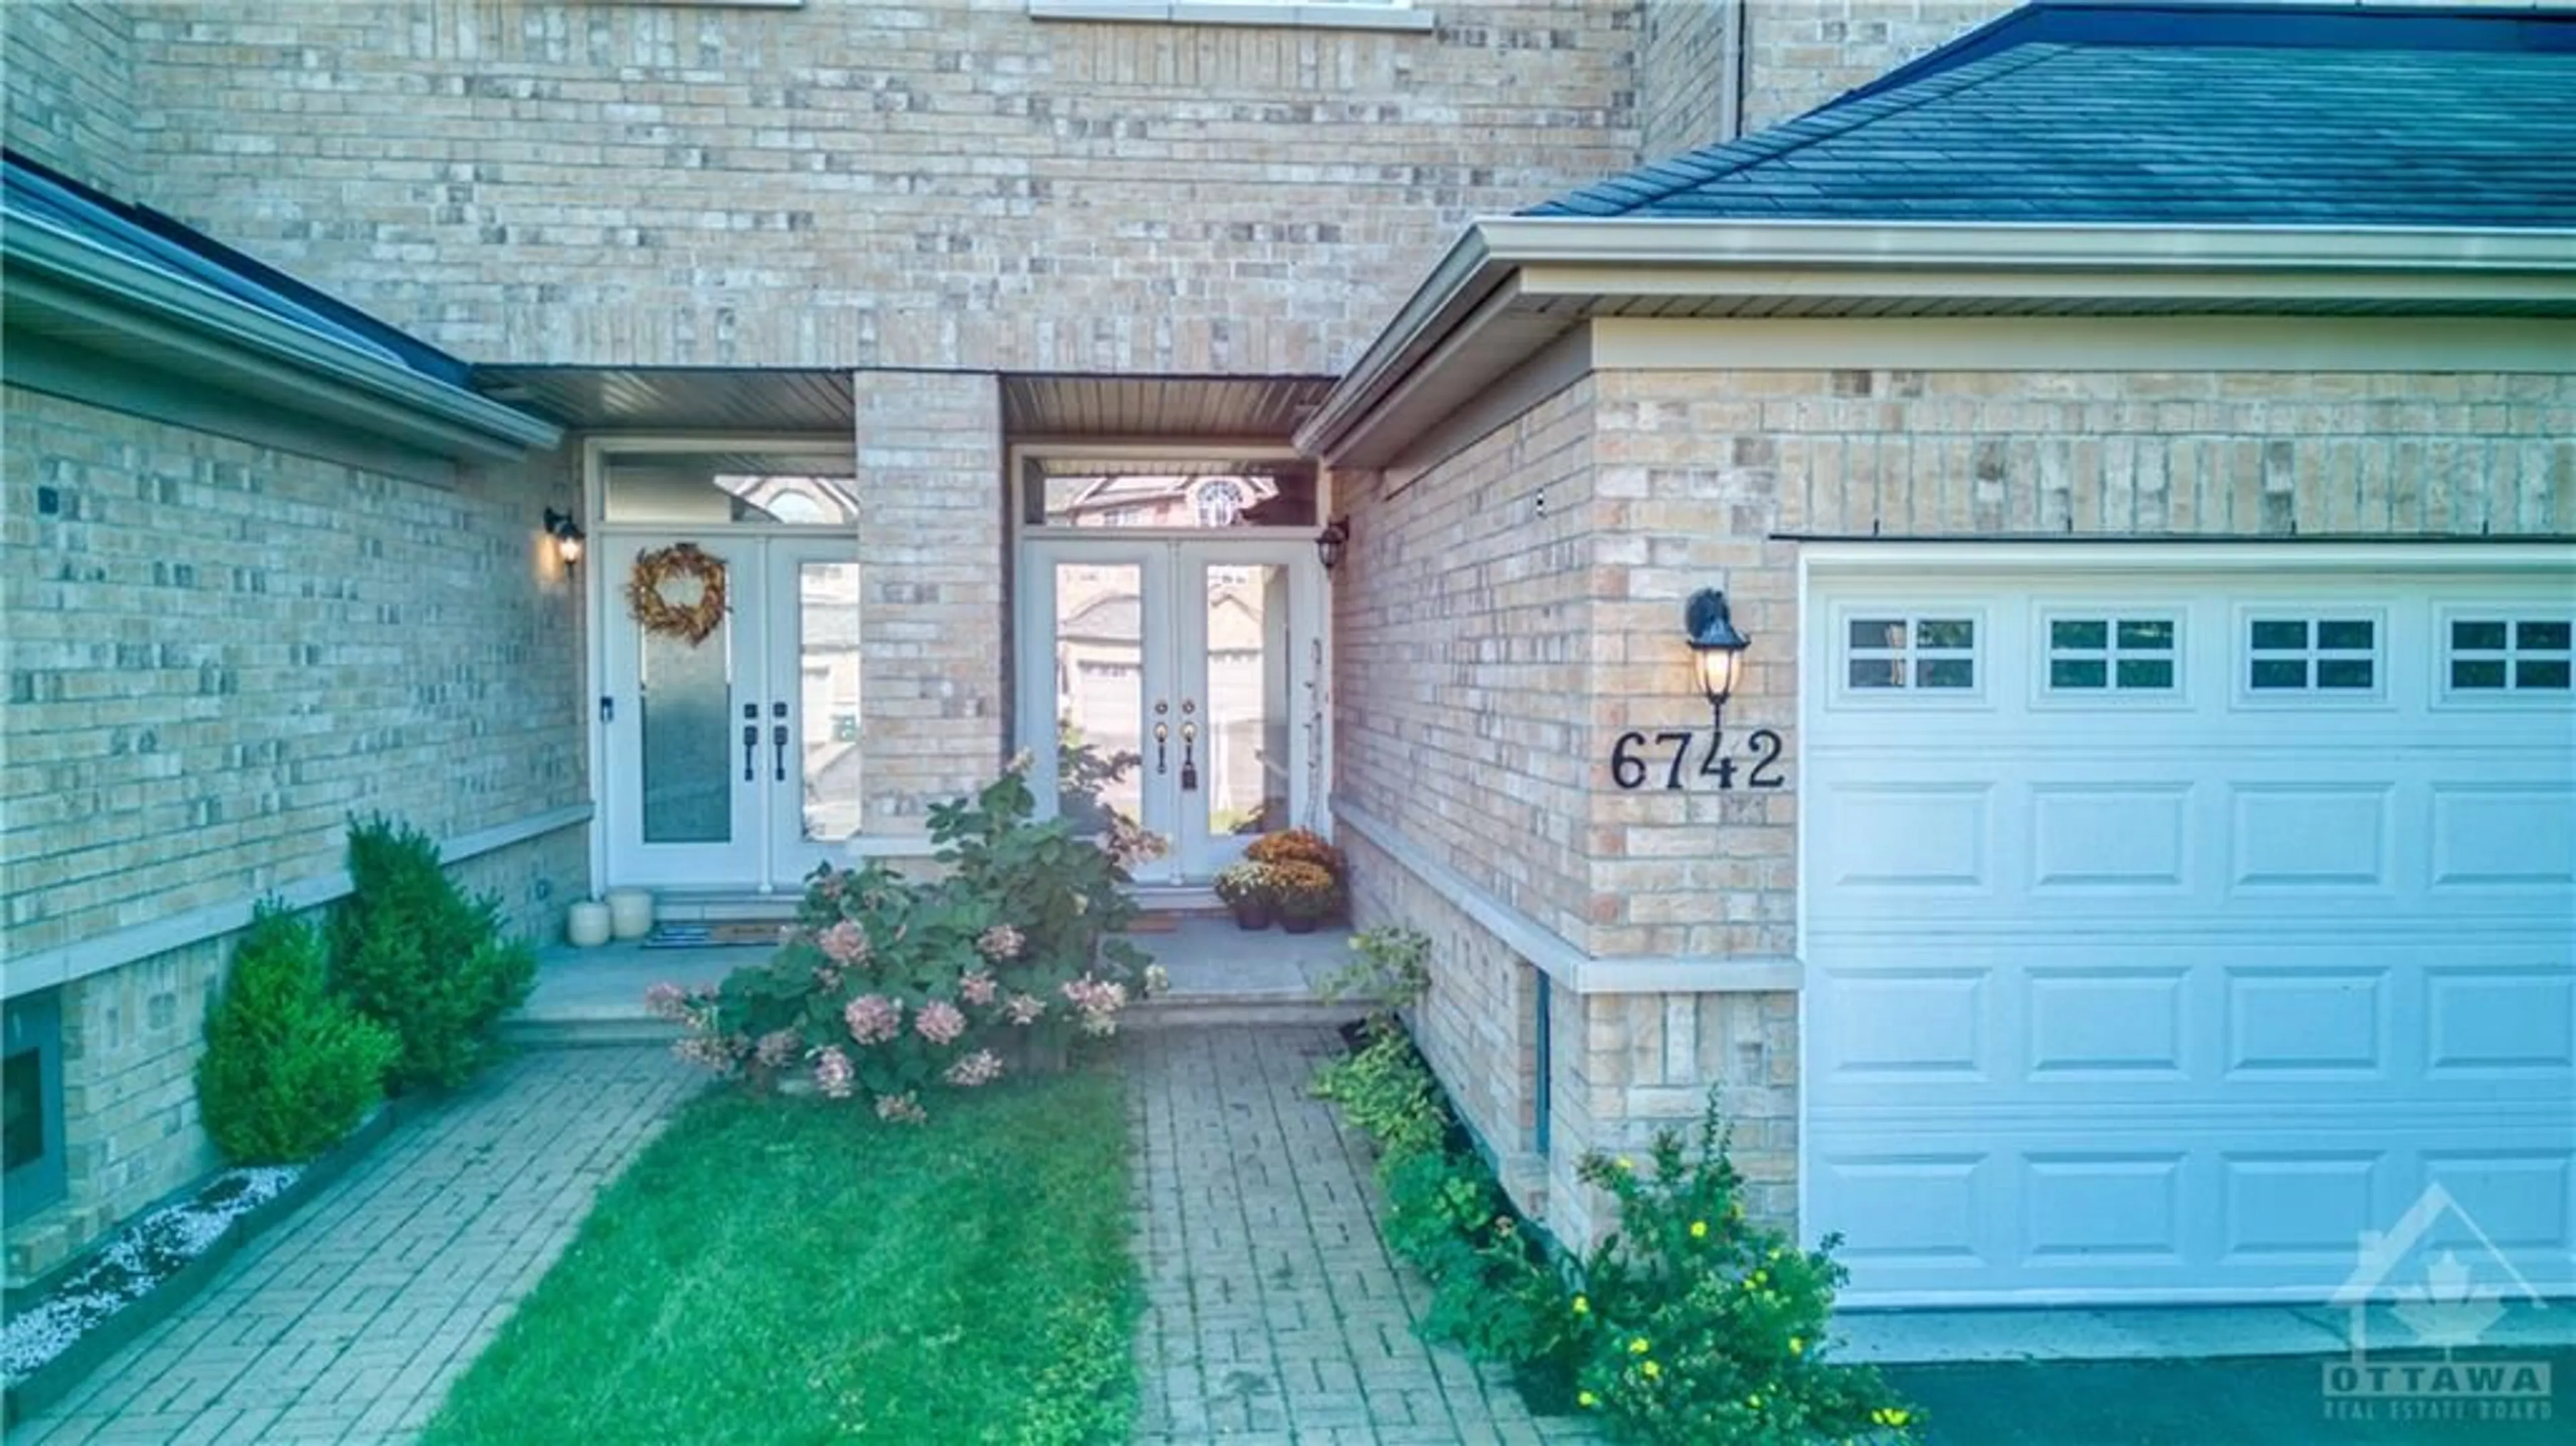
(2339, 655)
(1910, 653)
(2274, 634)
(2486, 637)
(2093, 655)
(2074, 634)
(2494, 655)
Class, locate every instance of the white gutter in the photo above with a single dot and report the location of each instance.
(48, 268)
(1568, 256)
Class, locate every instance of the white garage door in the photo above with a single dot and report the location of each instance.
(2168, 929)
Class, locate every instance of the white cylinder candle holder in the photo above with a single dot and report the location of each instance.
(630, 913)
(587, 925)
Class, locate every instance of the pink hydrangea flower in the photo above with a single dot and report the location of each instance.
(843, 943)
(873, 1018)
(1024, 1009)
(980, 1068)
(776, 1049)
(706, 1051)
(832, 1073)
(902, 1109)
(939, 1021)
(977, 989)
(1097, 1001)
(1000, 942)
(667, 1001)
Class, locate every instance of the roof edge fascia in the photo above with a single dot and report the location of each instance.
(40, 256)
(2130, 259)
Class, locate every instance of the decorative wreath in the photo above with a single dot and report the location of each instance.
(653, 607)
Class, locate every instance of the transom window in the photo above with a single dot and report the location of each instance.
(2516, 654)
(2111, 654)
(2312, 654)
(1920, 652)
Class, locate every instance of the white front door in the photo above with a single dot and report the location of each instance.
(2168, 929)
(1189, 676)
(733, 761)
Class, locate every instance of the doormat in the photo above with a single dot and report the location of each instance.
(729, 935)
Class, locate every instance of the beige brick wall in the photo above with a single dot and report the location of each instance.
(1461, 631)
(219, 651)
(933, 700)
(1803, 53)
(1685, 76)
(69, 87)
(131, 1041)
(942, 183)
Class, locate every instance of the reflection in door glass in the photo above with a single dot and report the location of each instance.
(1247, 703)
(827, 663)
(1100, 692)
(687, 739)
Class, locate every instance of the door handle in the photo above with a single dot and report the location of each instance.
(1162, 740)
(778, 742)
(1189, 757)
(750, 747)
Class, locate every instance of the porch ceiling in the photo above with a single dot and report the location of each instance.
(676, 399)
(1152, 408)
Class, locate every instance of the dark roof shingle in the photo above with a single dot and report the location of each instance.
(2174, 114)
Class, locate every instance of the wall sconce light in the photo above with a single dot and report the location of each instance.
(1716, 647)
(1330, 541)
(567, 535)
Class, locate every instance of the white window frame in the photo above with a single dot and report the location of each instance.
(2511, 655)
(2045, 654)
(2242, 654)
(1913, 614)
(1290, 14)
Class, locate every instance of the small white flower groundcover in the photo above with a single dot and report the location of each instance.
(141, 1256)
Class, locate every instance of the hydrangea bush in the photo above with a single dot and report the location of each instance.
(891, 989)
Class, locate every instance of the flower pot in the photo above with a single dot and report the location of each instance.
(1251, 914)
(630, 913)
(1298, 923)
(586, 925)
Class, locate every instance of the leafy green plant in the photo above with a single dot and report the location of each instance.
(893, 988)
(1691, 1325)
(412, 951)
(1702, 1324)
(1392, 972)
(288, 1070)
(1082, 774)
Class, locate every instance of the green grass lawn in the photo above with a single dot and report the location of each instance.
(796, 1271)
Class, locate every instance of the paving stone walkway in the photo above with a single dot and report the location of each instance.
(348, 1322)
(1275, 1315)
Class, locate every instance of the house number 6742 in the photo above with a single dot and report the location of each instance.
(1636, 757)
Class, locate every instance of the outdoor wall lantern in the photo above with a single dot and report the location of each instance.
(1330, 541)
(1716, 647)
(567, 536)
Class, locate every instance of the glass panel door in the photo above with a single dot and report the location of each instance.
(813, 745)
(1096, 707)
(675, 730)
(1248, 696)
